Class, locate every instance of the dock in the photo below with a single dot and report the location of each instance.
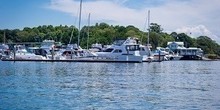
(72, 60)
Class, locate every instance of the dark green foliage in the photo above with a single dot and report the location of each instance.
(212, 56)
(188, 41)
(208, 45)
(106, 34)
(154, 27)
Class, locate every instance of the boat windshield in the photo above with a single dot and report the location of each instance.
(4, 47)
(47, 43)
(118, 42)
(71, 46)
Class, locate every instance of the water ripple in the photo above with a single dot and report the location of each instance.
(67, 86)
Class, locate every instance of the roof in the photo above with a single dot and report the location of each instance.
(178, 43)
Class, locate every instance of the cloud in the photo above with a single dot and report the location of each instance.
(189, 13)
(101, 11)
(170, 14)
(121, 2)
(197, 31)
(66, 6)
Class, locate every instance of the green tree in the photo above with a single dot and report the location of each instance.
(23, 36)
(208, 45)
(154, 27)
(166, 38)
(155, 39)
(188, 41)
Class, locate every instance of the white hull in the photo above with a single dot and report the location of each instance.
(123, 58)
(147, 58)
(173, 57)
(29, 57)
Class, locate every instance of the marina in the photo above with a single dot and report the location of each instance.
(109, 55)
(128, 50)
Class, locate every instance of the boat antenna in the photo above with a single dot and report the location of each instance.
(88, 31)
(80, 14)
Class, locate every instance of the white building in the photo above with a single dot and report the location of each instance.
(178, 47)
(175, 45)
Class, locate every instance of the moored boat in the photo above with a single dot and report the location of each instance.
(21, 53)
(122, 50)
(4, 51)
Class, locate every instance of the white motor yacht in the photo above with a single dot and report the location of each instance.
(4, 51)
(49, 50)
(96, 47)
(167, 54)
(122, 50)
(22, 54)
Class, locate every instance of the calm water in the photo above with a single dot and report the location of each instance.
(176, 85)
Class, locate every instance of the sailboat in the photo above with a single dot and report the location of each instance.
(4, 49)
(74, 51)
(145, 50)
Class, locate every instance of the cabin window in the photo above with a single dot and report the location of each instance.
(117, 51)
(132, 47)
(109, 50)
(67, 53)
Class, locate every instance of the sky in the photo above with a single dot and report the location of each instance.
(193, 17)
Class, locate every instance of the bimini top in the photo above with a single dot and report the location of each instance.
(128, 41)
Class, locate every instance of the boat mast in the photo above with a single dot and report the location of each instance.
(148, 35)
(71, 36)
(88, 32)
(80, 12)
(4, 37)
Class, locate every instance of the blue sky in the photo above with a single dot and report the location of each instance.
(29, 13)
(198, 17)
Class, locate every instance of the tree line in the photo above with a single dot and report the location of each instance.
(105, 34)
